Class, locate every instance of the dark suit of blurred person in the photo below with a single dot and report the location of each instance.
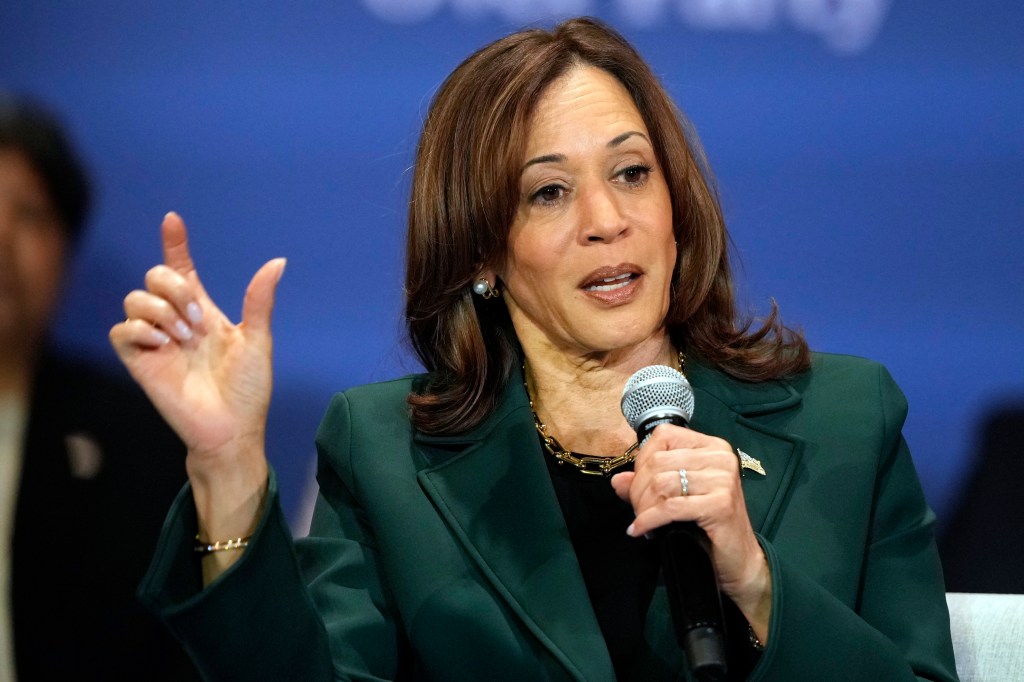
(982, 546)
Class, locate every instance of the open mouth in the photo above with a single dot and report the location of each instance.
(611, 283)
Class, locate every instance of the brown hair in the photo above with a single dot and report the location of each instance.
(464, 198)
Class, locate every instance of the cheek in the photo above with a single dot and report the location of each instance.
(534, 280)
(40, 257)
(664, 212)
(534, 254)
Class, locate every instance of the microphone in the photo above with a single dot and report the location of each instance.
(661, 395)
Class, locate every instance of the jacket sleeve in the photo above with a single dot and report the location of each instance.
(899, 628)
(312, 609)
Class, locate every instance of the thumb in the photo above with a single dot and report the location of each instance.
(259, 297)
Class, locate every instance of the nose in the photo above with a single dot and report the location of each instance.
(601, 215)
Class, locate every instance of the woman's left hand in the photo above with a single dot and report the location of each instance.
(714, 501)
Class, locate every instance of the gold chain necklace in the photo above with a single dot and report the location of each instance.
(587, 464)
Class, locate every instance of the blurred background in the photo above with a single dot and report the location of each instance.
(870, 156)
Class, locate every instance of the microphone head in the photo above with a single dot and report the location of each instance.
(657, 391)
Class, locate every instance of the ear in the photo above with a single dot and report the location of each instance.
(490, 275)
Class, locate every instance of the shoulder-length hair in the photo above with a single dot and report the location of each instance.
(465, 195)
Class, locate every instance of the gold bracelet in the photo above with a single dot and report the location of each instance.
(204, 548)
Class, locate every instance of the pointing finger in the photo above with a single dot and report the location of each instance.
(178, 257)
(175, 243)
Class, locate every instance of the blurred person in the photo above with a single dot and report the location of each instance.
(86, 464)
(982, 548)
(488, 519)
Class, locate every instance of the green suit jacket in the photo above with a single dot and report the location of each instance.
(447, 557)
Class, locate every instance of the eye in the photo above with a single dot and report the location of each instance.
(635, 175)
(548, 195)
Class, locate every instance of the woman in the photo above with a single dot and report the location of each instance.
(562, 235)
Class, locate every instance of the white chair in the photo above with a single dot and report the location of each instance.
(988, 636)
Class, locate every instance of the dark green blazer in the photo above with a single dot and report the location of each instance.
(447, 557)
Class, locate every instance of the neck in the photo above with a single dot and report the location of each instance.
(576, 395)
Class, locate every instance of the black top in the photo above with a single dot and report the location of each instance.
(620, 572)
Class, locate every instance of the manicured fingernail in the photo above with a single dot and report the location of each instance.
(194, 312)
(184, 332)
(629, 531)
(159, 338)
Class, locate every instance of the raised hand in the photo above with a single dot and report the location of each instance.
(209, 378)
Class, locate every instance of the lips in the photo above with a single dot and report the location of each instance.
(610, 278)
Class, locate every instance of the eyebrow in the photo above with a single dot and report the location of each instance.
(625, 136)
(560, 158)
(547, 158)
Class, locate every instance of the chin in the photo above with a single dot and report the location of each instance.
(613, 337)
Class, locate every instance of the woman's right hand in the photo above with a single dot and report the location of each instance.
(209, 378)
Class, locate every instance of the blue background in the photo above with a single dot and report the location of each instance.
(870, 155)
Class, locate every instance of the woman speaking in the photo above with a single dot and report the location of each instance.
(492, 518)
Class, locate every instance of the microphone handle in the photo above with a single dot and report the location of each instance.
(694, 599)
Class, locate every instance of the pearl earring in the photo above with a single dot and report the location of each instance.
(482, 287)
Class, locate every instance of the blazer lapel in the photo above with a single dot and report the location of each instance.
(493, 489)
(734, 411)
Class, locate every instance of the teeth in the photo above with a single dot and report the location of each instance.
(615, 283)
